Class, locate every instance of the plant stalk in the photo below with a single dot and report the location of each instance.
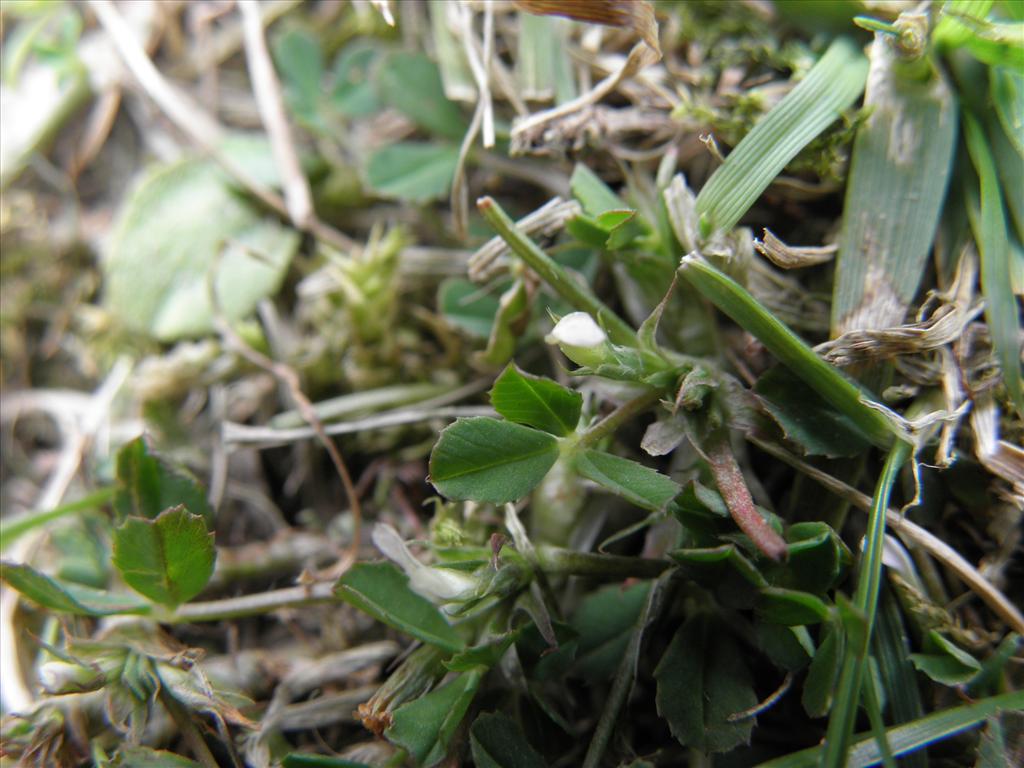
(554, 274)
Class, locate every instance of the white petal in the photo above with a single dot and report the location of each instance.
(577, 329)
(431, 583)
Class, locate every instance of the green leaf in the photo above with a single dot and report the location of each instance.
(497, 741)
(382, 591)
(823, 673)
(990, 232)
(724, 571)
(536, 402)
(702, 681)
(166, 244)
(944, 662)
(791, 607)
(354, 93)
(65, 596)
(638, 484)
(467, 306)
(415, 172)
(606, 211)
(594, 195)
(832, 85)
(410, 83)
(425, 727)
(16, 527)
(816, 559)
(604, 621)
(899, 170)
(807, 419)
(489, 460)
(169, 559)
(149, 484)
(299, 61)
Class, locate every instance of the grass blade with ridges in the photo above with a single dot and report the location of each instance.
(901, 162)
(990, 232)
(832, 85)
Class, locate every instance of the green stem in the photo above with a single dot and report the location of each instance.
(617, 418)
(841, 721)
(554, 274)
(183, 720)
(16, 528)
(250, 605)
(792, 351)
(567, 562)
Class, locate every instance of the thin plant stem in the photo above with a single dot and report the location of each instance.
(618, 417)
(188, 729)
(566, 562)
(554, 274)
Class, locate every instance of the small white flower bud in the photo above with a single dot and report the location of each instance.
(581, 339)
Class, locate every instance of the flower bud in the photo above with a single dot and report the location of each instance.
(435, 584)
(60, 677)
(581, 339)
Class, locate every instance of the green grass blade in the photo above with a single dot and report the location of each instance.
(904, 739)
(15, 528)
(844, 711)
(543, 66)
(792, 351)
(832, 85)
(990, 232)
(456, 76)
(900, 167)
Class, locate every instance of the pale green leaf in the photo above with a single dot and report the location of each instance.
(410, 83)
(918, 734)
(467, 306)
(412, 171)
(990, 232)
(167, 247)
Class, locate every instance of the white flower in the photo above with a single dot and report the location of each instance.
(580, 338)
(435, 584)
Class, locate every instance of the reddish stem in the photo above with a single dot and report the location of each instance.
(737, 497)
